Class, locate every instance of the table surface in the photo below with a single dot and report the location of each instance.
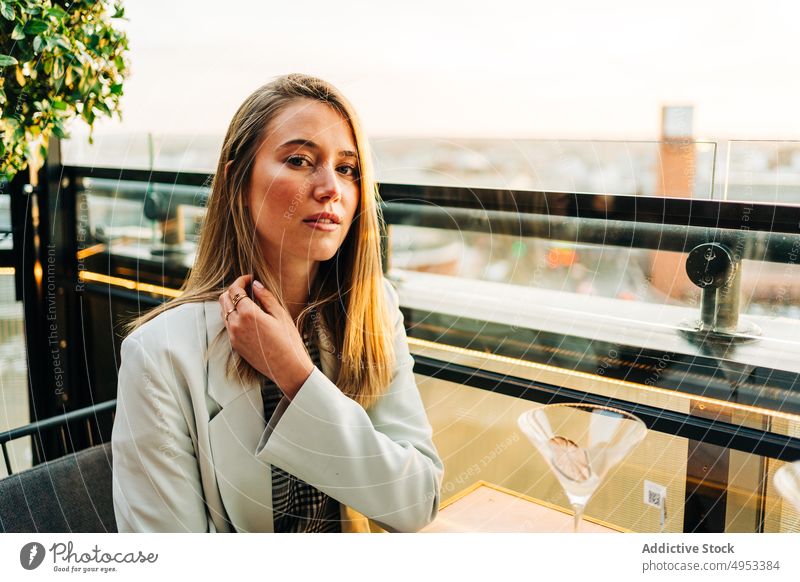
(486, 507)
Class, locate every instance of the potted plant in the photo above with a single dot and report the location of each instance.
(59, 60)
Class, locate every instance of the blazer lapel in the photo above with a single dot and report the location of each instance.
(245, 483)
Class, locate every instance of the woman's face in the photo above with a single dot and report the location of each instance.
(307, 165)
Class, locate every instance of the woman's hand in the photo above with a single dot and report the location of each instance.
(264, 334)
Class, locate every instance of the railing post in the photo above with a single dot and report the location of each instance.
(718, 273)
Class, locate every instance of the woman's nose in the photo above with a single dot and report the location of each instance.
(327, 184)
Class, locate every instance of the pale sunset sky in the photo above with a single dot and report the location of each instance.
(577, 69)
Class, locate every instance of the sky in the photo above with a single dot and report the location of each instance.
(568, 70)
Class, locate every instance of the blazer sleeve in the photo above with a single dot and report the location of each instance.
(156, 479)
(380, 462)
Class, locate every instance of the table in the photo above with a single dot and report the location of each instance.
(485, 507)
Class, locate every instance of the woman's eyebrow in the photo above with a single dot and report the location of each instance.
(310, 144)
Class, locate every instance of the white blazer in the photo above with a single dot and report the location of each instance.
(195, 455)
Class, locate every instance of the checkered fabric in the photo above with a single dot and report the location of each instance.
(298, 507)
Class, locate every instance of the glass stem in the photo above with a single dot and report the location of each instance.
(578, 509)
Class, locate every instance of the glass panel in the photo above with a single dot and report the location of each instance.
(766, 172)
(630, 274)
(625, 309)
(189, 153)
(14, 411)
(136, 219)
(14, 408)
(771, 290)
(678, 168)
(763, 171)
(6, 242)
(476, 435)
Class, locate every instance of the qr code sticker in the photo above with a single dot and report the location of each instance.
(654, 494)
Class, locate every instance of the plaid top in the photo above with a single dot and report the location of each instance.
(298, 507)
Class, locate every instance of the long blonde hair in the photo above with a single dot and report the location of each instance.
(347, 296)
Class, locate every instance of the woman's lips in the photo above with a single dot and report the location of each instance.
(326, 226)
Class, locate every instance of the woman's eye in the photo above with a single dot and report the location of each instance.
(347, 170)
(297, 161)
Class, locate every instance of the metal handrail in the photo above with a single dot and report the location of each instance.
(54, 422)
(776, 247)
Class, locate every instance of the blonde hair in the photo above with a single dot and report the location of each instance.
(347, 293)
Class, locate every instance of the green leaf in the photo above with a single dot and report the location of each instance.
(25, 51)
(77, 69)
(56, 12)
(7, 11)
(35, 26)
(102, 108)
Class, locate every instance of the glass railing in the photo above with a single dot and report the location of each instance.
(594, 294)
(763, 171)
(515, 295)
(593, 283)
(644, 168)
(13, 363)
(736, 170)
(647, 168)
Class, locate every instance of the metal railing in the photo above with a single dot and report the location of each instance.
(62, 423)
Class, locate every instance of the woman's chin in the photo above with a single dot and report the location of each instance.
(324, 257)
(321, 254)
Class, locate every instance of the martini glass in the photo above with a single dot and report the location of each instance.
(580, 443)
(787, 482)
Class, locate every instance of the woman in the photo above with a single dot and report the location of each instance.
(277, 393)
